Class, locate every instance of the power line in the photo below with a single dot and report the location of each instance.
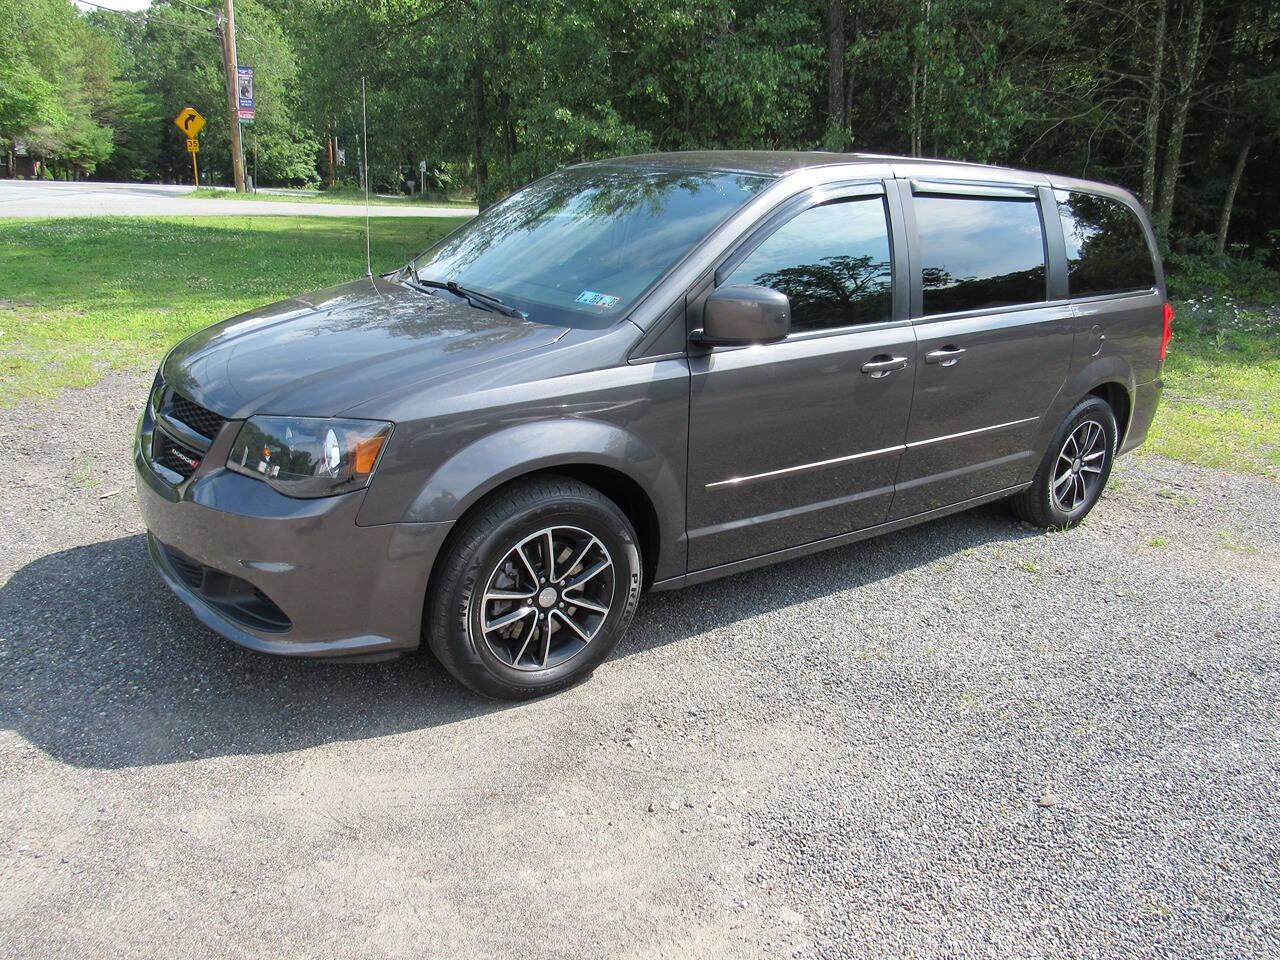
(147, 17)
(217, 16)
(151, 18)
(194, 7)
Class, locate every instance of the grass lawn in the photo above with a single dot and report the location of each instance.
(1221, 405)
(332, 195)
(81, 296)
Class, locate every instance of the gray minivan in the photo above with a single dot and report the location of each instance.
(644, 373)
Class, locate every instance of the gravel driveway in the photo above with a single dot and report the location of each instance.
(969, 738)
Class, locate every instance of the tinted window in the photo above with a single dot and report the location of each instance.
(978, 252)
(578, 247)
(832, 261)
(1106, 246)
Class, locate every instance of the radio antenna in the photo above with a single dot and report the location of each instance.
(364, 124)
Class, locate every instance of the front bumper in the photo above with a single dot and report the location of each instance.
(283, 575)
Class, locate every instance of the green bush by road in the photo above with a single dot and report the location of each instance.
(79, 297)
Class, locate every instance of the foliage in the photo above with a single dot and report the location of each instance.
(55, 84)
(174, 53)
(1197, 271)
(1179, 100)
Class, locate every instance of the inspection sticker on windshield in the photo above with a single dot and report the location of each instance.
(593, 299)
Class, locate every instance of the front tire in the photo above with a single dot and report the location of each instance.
(1075, 469)
(535, 589)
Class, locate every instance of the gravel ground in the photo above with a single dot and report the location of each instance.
(969, 738)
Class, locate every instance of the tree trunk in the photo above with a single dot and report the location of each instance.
(835, 63)
(481, 164)
(1187, 74)
(848, 77)
(912, 119)
(924, 81)
(504, 92)
(918, 67)
(1229, 198)
(1151, 128)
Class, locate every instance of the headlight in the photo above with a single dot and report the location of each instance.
(156, 394)
(309, 457)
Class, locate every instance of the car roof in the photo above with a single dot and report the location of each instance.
(781, 163)
(778, 162)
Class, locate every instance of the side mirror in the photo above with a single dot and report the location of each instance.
(741, 314)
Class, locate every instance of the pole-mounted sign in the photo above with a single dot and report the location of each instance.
(191, 123)
(244, 93)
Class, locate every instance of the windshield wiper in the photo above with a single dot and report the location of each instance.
(477, 298)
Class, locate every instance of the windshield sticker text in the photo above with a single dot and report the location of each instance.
(592, 299)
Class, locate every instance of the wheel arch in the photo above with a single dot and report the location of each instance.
(1108, 377)
(601, 455)
(1120, 400)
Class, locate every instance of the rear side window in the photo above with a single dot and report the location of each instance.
(1107, 248)
(979, 252)
(832, 262)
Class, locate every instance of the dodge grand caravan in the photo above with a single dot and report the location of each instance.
(641, 374)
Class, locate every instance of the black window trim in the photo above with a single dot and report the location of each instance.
(821, 196)
(1147, 238)
(1025, 193)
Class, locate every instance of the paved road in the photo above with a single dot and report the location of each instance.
(51, 198)
(965, 739)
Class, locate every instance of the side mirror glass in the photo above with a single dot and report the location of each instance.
(742, 314)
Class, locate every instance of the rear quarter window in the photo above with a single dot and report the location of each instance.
(1107, 248)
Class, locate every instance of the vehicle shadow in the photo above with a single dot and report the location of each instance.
(102, 667)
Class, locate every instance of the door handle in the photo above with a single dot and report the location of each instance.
(883, 365)
(947, 356)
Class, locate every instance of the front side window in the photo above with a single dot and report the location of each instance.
(1107, 248)
(832, 261)
(579, 247)
(980, 252)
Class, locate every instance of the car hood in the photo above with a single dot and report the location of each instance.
(320, 353)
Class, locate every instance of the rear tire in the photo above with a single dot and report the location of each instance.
(1075, 469)
(535, 589)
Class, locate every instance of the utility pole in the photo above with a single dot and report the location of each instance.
(227, 27)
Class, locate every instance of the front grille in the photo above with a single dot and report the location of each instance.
(202, 421)
(233, 596)
(175, 456)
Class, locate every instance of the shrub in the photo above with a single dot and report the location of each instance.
(1195, 270)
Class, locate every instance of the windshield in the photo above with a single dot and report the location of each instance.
(578, 248)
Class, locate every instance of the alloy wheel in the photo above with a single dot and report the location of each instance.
(1078, 470)
(547, 598)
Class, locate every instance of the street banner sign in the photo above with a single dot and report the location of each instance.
(193, 145)
(189, 122)
(244, 92)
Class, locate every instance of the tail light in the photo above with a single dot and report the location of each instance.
(1168, 331)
